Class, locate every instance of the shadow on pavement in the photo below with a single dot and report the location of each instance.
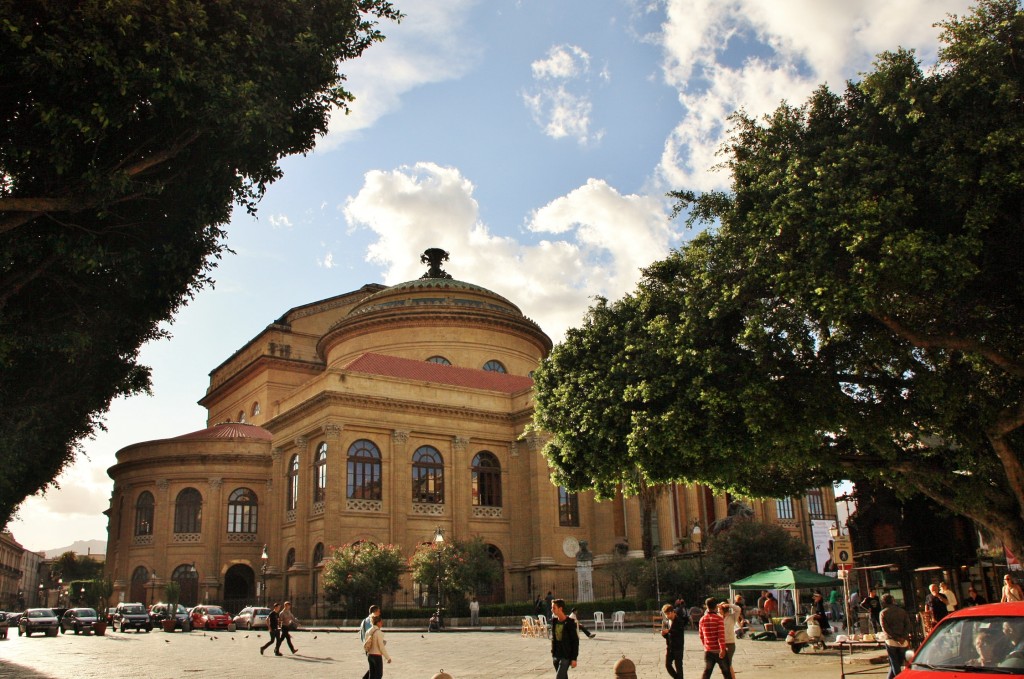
(9, 670)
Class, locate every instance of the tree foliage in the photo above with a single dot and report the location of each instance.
(750, 547)
(363, 573)
(465, 567)
(129, 130)
(70, 566)
(853, 309)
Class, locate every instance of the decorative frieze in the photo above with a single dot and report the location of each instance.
(487, 512)
(189, 538)
(428, 508)
(242, 537)
(140, 540)
(354, 505)
(400, 437)
(318, 507)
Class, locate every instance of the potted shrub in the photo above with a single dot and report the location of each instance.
(103, 589)
(173, 591)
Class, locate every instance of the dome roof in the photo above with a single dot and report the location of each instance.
(436, 291)
(229, 430)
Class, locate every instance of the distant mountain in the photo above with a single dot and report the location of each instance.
(93, 547)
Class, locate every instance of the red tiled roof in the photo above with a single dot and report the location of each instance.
(392, 366)
(230, 430)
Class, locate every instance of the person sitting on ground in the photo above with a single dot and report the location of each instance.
(579, 625)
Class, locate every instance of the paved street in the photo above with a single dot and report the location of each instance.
(465, 655)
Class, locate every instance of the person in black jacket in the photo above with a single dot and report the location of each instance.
(274, 627)
(673, 641)
(565, 640)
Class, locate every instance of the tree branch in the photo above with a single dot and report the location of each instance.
(951, 343)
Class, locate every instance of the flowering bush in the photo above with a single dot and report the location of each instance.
(466, 567)
(362, 573)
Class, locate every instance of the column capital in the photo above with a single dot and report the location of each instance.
(459, 443)
(400, 436)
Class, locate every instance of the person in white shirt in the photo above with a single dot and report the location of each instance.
(951, 600)
(731, 614)
(376, 649)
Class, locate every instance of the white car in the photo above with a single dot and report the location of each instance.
(252, 617)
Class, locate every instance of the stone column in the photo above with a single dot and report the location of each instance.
(303, 509)
(399, 500)
(271, 533)
(214, 531)
(461, 500)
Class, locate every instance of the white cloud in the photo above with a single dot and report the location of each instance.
(327, 261)
(280, 222)
(564, 61)
(799, 45)
(429, 46)
(599, 240)
(558, 102)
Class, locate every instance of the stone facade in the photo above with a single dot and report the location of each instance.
(381, 415)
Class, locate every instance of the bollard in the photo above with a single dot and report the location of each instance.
(625, 669)
(442, 675)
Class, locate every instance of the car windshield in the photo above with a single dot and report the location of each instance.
(181, 610)
(213, 610)
(40, 614)
(133, 610)
(261, 611)
(976, 642)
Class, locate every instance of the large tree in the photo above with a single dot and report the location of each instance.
(129, 131)
(854, 308)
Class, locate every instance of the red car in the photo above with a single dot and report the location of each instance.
(980, 641)
(210, 617)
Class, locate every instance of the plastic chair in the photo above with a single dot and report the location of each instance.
(529, 629)
(599, 620)
(542, 626)
(619, 620)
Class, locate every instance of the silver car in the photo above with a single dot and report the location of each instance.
(252, 617)
(38, 620)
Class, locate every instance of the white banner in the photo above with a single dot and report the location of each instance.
(823, 545)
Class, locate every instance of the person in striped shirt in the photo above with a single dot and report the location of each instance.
(712, 636)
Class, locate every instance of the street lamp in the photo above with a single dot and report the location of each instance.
(40, 598)
(439, 544)
(81, 596)
(265, 556)
(60, 591)
(698, 539)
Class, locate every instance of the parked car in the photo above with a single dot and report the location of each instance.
(131, 616)
(78, 619)
(210, 617)
(985, 641)
(252, 617)
(162, 611)
(38, 620)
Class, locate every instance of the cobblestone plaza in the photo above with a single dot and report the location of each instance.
(464, 655)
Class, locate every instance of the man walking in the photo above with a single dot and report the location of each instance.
(565, 640)
(673, 641)
(712, 636)
(365, 627)
(273, 625)
(287, 620)
(897, 627)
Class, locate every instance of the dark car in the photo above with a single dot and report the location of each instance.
(38, 620)
(132, 616)
(163, 611)
(210, 617)
(78, 619)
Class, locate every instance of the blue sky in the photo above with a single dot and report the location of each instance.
(533, 139)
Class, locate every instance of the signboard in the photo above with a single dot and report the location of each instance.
(842, 551)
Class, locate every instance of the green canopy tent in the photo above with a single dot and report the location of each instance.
(785, 577)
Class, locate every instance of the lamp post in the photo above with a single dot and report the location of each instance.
(60, 591)
(40, 597)
(439, 544)
(265, 556)
(81, 596)
(836, 531)
(698, 539)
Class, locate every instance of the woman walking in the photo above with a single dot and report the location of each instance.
(375, 648)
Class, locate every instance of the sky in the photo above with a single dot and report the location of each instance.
(534, 140)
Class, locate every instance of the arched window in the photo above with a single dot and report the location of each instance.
(290, 560)
(188, 580)
(140, 576)
(242, 511)
(255, 408)
(293, 483)
(188, 512)
(427, 475)
(440, 360)
(568, 508)
(320, 473)
(318, 553)
(241, 416)
(486, 480)
(494, 366)
(364, 471)
(144, 513)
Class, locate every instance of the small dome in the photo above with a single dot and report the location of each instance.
(229, 430)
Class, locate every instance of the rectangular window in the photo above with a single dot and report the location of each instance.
(784, 508)
(568, 508)
(815, 504)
